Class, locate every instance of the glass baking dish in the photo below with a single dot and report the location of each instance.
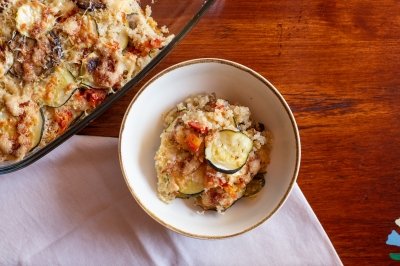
(179, 17)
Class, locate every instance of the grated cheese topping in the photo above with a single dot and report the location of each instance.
(60, 59)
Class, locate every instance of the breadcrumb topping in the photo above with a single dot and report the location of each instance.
(181, 162)
(60, 59)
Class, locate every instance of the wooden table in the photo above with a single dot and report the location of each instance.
(337, 63)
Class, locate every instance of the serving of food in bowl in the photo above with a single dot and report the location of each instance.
(209, 148)
(64, 62)
(212, 151)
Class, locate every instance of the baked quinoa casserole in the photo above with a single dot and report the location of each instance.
(212, 151)
(59, 59)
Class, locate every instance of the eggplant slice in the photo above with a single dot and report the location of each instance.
(33, 58)
(90, 5)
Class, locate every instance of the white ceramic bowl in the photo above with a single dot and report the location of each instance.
(140, 139)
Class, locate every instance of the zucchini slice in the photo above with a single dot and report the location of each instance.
(7, 123)
(255, 185)
(89, 24)
(193, 183)
(89, 64)
(59, 88)
(172, 125)
(37, 130)
(30, 15)
(228, 150)
(119, 36)
(180, 195)
(122, 39)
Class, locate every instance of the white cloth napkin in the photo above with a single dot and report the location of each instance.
(72, 207)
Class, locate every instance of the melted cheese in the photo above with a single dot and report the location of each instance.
(97, 51)
(34, 19)
(6, 62)
(127, 7)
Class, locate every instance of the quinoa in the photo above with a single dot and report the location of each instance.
(181, 161)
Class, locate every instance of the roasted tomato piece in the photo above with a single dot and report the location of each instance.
(144, 48)
(63, 119)
(193, 142)
(198, 127)
(93, 96)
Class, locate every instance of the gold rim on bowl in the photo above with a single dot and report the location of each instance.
(260, 78)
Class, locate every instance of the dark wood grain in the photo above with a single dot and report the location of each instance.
(337, 63)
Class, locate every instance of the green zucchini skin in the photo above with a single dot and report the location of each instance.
(252, 188)
(207, 208)
(66, 100)
(193, 184)
(225, 171)
(40, 129)
(64, 79)
(255, 185)
(187, 196)
(191, 193)
(245, 146)
(92, 60)
(122, 39)
(88, 66)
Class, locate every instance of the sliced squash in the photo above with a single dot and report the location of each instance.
(193, 183)
(58, 88)
(88, 66)
(32, 14)
(255, 185)
(122, 39)
(228, 150)
(38, 129)
(172, 125)
(34, 123)
(118, 34)
(7, 123)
